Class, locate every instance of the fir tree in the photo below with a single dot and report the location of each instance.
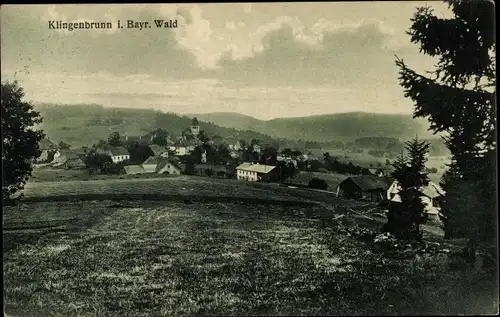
(459, 101)
(404, 219)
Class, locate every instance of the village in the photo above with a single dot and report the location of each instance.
(194, 153)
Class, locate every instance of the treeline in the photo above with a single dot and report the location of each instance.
(332, 164)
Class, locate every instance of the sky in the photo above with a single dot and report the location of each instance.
(266, 60)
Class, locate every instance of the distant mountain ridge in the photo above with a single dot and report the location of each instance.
(324, 128)
(85, 124)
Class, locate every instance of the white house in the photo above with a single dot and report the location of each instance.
(117, 153)
(252, 172)
(168, 167)
(430, 198)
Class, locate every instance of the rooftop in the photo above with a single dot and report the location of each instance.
(258, 168)
(370, 182)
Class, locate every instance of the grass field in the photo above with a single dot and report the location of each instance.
(190, 257)
(333, 179)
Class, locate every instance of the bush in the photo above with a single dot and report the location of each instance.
(318, 183)
(209, 172)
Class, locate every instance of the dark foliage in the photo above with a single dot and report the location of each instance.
(405, 218)
(19, 139)
(139, 152)
(460, 100)
(114, 139)
(318, 183)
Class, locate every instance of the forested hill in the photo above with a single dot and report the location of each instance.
(85, 124)
(323, 128)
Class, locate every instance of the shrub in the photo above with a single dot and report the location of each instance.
(318, 183)
(209, 172)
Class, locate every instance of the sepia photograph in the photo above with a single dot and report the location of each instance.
(249, 159)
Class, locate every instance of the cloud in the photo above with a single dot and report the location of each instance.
(160, 52)
(285, 52)
(230, 25)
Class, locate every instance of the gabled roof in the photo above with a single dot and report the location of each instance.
(432, 190)
(369, 182)
(259, 168)
(164, 162)
(134, 169)
(46, 144)
(153, 160)
(195, 122)
(117, 150)
(157, 150)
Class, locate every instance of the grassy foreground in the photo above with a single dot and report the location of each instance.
(146, 258)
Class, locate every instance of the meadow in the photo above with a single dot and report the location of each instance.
(262, 250)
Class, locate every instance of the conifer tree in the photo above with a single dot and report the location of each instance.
(458, 98)
(405, 218)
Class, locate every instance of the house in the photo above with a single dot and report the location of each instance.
(170, 144)
(69, 159)
(169, 167)
(191, 145)
(237, 146)
(364, 187)
(159, 150)
(185, 147)
(46, 146)
(151, 164)
(256, 148)
(195, 127)
(253, 172)
(180, 148)
(203, 158)
(133, 169)
(381, 171)
(117, 153)
(431, 197)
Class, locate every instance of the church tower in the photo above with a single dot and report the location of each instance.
(195, 127)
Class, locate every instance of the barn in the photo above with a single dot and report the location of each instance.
(364, 187)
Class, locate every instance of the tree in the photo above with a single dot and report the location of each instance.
(287, 152)
(203, 137)
(139, 152)
(404, 219)
(190, 168)
(318, 183)
(114, 139)
(223, 155)
(287, 170)
(209, 172)
(459, 99)
(160, 137)
(97, 162)
(100, 144)
(64, 146)
(269, 156)
(19, 139)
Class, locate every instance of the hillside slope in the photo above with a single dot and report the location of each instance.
(83, 124)
(324, 128)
